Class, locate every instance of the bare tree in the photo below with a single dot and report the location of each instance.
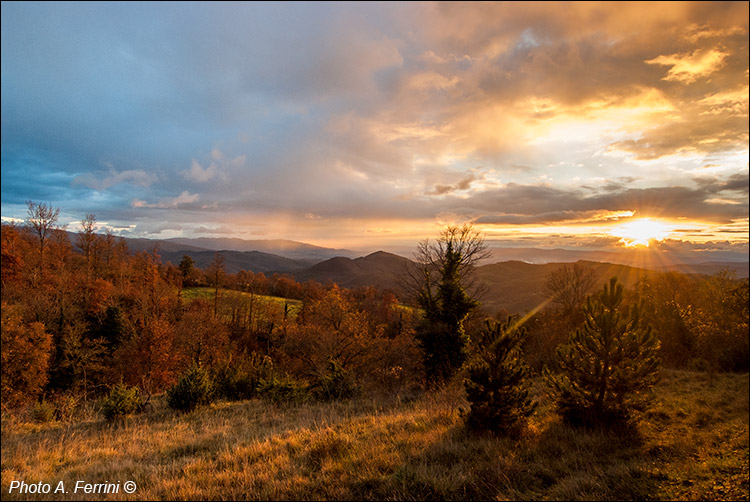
(569, 285)
(86, 239)
(431, 257)
(215, 275)
(42, 219)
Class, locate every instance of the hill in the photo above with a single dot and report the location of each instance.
(234, 261)
(282, 247)
(515, 284)
(239, 254)
(739, 269)
(519, 286)
(379, 269)
(696, 262)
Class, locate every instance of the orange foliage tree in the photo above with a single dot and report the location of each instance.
(26, 349)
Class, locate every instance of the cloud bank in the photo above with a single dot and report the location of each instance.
(361, 124)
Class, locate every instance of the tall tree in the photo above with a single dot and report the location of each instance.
(187, 269)
(609, 366)
(12, 256)
(215, 275)
(86, 239)
(441, 285)
(26, 348)
(42, 220)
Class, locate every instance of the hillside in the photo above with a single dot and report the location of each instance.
(234, 261)
(379, 269)
(519, 287)
(515, 283)
(740, 270)
(694, 261)
(282, 247)
(691, 446)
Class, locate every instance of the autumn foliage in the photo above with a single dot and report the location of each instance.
(81, 314)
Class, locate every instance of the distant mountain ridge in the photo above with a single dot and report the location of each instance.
(266, 256)
(282, 247)
(234, 261)
(515, 285)
(655, 258)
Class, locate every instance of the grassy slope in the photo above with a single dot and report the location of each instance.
(692, 445)
(207, 294)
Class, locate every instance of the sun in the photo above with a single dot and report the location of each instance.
(641, 231)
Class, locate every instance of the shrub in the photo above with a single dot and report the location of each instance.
(335, 384)
(194, 388)
(609, 366)
(43, 411)
(282, 390)
(495, 387)
(240, 380)
(120, 402)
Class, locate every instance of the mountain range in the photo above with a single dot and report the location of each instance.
(513, 278)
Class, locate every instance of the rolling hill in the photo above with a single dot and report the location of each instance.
(518, 287)
(234, 261)
(379, 269)
(281, 247)
(515, 281)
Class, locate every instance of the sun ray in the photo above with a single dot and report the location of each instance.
(641, 231)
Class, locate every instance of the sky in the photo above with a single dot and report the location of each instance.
(368, 125)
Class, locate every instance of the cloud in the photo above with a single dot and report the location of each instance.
(687, 68)
(216, 170)
(368, 116)
(184, 199)
(462, 185)
(200, 174)
(703, 135)
(102, 181)
(534, 204)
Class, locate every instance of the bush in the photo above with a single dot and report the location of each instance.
(335, 384)
(120, 402)
(43, 411)
(495, 387)
(609, 366)
(194, 388)
(240, 380)
(282, 390)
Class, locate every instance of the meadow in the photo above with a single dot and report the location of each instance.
(227, 295)
(691, 445)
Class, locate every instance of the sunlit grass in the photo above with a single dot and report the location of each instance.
(692, 445)
(206, 293)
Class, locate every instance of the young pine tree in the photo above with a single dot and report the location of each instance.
(608, 366)
(496, 386)
(194, 388)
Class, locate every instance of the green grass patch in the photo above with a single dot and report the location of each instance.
(227, 295)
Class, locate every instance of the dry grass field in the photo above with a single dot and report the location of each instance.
(692, 445)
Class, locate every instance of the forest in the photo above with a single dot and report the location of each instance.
(93, 332)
